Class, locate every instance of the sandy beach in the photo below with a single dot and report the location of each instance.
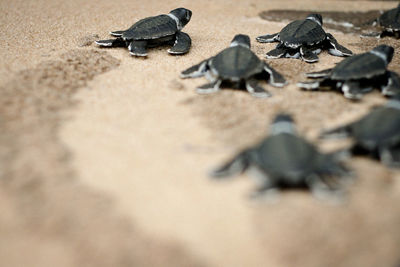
(104, 156)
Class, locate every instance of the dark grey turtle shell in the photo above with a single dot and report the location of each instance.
(302, 32)
(379, 128)
(287, 156)
(236, 63)
(151, 28)
(362, 66)
(390, 19)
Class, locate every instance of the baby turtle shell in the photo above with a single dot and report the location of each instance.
(358, 75)
(285, 160)
(154, 31)
(305, 39)
(236, 66)
(376, 134)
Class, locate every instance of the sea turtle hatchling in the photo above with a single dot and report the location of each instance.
(303, 39)
(152, 32)
(286, 160)
(376, 134)
(388, 22)
(358, 75)
(236, 66)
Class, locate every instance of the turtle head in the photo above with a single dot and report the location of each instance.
(283, 123)
(241, 39)
(315, 17)
(183, 16)
(384, 51)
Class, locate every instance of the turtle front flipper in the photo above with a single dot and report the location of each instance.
(275, 78)
(319, 74)
(209, 87)
(117, 33)
(256, 90)
(337, 133)
(308, 55)
(392, 87)
(195, 71)
(138, 48)
(118, 42)
(235, 166)
(269, 38)
(337, 49)
(390, 156)
(182, 44)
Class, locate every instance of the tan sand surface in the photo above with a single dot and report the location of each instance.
(105, 156)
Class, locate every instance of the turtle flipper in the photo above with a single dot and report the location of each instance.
(256, 90)
(308, 55)
(275, 78)
(390, 156)
(310, 86)
(117, 33)
(269, 38)
(195, 71)
(209, 87)
(337, 133)
(337, 49)
(352, 90)
(276, 53)
(235, 166)
(118, 42)
(182, 44)
(392, 87)
(371, 34)
(319, 74)
(138, 48)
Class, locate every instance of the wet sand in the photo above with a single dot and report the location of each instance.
(105, 156)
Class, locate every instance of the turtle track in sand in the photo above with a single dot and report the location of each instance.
(46, 212)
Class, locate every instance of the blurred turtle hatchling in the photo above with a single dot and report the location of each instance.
(388, 22)
(303, 39)
(376, 134)
(152, 32)
(286, 160)
(358, 75)
(237, 67)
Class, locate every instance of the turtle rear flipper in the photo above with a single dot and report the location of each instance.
(209, 88)
(319, 74)
(393, 85)
(275, 78)
(138, 48)
(353, 90)
(390, 156)
(256, 90)
(311, 86)
(111, 43)
(308, 55)
(337, 49)
(371, 34)
(117, 33)
(276, 53)
(182, 44)
(269, 38)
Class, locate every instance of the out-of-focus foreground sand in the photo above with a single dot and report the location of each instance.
(104, 157)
